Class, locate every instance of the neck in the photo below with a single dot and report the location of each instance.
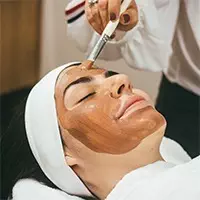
(112, 169)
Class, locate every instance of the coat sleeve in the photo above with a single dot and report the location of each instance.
(147, 46)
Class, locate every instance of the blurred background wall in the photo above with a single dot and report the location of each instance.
(19, 53)
(33, 40)
(19, 34)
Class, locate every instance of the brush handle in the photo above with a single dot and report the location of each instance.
(98, 47)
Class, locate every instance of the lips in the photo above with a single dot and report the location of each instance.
(129, 102)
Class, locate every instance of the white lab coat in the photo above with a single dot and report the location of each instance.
(30, 189)
(148, 45)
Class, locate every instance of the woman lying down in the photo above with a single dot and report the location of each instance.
(90, 134)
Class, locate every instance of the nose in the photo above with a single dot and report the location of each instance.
(119, 84)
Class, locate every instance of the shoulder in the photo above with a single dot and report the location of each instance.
(33, 190)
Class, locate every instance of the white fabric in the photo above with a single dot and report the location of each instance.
(173, 152)
(160, 181)
(44, 136)
(33, 190)
(29, 189)
(148, 45)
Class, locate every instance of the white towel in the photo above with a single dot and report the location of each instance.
(160, 181)
(28, 189)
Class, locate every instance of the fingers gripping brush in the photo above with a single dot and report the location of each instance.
(108, 31)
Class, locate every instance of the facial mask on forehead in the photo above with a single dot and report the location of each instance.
(44, 137)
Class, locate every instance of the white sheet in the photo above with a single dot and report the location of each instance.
(180, 182)
(170, 150)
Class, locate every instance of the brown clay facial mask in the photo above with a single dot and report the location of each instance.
(102, 110)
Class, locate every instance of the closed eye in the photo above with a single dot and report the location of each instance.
(110, 73)
(86, 97)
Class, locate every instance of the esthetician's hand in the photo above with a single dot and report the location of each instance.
(99, 14)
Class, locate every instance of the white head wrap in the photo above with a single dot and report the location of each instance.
(44, 137)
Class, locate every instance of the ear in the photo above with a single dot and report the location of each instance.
(70, 161)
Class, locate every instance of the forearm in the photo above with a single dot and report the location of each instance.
(146, 46)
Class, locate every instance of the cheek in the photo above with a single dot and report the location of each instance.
(143, 123)
(93, 126)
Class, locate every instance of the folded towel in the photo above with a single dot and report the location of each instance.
(171, 151)
(29, 189)
(160, 181)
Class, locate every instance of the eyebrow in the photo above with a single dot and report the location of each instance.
(87, 79)
(84, 79)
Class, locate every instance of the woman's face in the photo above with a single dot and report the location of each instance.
(103, 111)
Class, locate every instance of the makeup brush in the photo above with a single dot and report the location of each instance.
(107, 33)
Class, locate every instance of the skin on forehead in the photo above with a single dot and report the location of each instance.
(72, 73)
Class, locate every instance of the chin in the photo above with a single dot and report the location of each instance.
(152, 120)
(162, 118)
(141, 124)
(161, 123)
(158, 118)
(145, 117)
